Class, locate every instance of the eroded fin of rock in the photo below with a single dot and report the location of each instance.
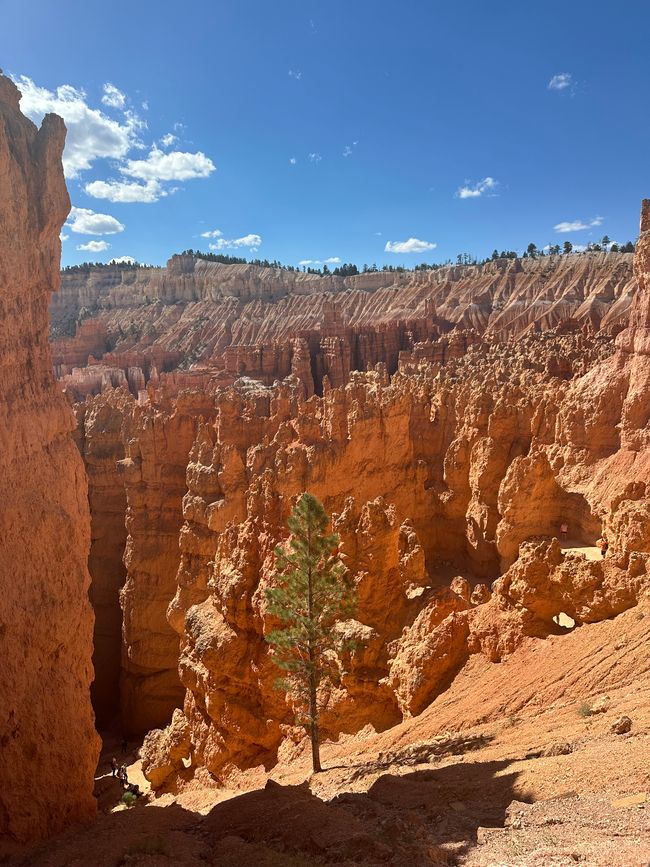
(48, 745)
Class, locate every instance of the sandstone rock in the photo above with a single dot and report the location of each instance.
(436, 453)
(601, 705)
(100, 421)
(157, 444)
(621, 726)
(162, 752)
(561, 748)
(46, 720)
(480, 594)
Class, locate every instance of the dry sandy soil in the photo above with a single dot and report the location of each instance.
(509, 766)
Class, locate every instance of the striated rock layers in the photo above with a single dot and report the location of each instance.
(48, 746)
(135, 324)
(157, 443)
(447, 484)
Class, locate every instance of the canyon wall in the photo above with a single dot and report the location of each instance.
(233, 320)
(447, 484)
(48, 743)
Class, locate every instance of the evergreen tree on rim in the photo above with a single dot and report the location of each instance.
(312, 591)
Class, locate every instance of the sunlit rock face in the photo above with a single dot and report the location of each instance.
(48, 746)
(117, 325)
(466, 468)
(450, 421)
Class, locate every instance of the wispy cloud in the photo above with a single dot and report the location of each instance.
(87, 222)
(577, 225)
(561, 81)
(292, 161)
(113, 97)
(314, 157)
(126, 191)
(412, 245)
(347, 150)
(331, 260)
(94, 246)
(172, 166)
(168, 140)
(251, 242)
(295, 73)
(213, 233)
(473, 191)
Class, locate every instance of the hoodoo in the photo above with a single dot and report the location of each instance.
(48, 746)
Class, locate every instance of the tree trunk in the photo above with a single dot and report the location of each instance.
(313, 706)
(313, 719)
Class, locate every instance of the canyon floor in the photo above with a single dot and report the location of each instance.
(509, 766)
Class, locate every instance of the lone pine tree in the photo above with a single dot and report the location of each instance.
(313, 590)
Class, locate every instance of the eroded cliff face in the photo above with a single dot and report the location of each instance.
(447, 484)
(47, 738)
(231, 320)
(157, 441)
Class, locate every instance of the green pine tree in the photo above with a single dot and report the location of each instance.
(313, 590)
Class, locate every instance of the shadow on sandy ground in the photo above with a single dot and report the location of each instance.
(401, 819)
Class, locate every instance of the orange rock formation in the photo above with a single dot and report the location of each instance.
(48, 745)
(467, 468)
(236, 320)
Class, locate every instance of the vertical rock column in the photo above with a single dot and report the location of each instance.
(48, 744)
(157, 446)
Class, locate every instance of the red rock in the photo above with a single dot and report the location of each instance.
(48, 742)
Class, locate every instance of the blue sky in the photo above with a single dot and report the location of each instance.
(390, 111)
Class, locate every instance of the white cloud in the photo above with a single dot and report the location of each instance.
(125, 191)
(87, 222)
(126, 259)
(480, 187)
(560, 81)
(168, 140)
(314, 157)
(331, 260)
(252, 242)
(379, 233)
(413, 245)
(63, 237)
(577, 225)
(292, 161)
(91, 134)
(94, 246)
(214, 233)
(347, 150)
(173, 166)
(113, 97)
(295, 73)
